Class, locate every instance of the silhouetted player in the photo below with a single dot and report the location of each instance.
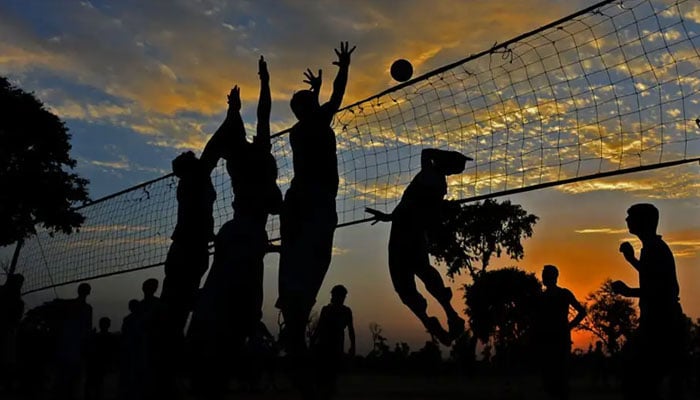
(599, 365)
(308, 216)
(554, 332)
(328, 341)
(656, 348)
(154, 362)
(103, 349)
(417, 212)
(188, 256)
(230, 306)
(72, 341)
(130, 374)
(11, 311)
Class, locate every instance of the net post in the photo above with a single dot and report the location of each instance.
(15, 257)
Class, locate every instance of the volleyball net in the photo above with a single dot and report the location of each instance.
(611, 89)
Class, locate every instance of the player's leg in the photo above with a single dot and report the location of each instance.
(321, 230)
(403, 279)
(436, 287)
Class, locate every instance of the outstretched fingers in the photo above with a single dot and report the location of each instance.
(313, 81)
(344, 49)
(377, 215)
(343, 54)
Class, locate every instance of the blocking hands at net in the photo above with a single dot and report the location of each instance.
(417, 212)
(308, 217)
(230, 304)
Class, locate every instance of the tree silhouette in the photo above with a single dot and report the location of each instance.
(380, 348)
(475, 232)
(428, 358)
(462, 351)
(35, 187)
(501, 306)
(611, 317)
(401, 351)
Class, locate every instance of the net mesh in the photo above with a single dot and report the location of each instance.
(610, 89)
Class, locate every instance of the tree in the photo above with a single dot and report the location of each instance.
(501, 306)
(611, 317)
(379, 346)
(475, 232)
(428, 359)
(35, 187)
(462, 352)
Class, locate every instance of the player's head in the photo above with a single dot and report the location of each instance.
(303, 104)
(444, 162)
(84, 290)
(338, 294)
(550, 274)
(185, 164)
(134, 305)
(149, 287)
(642, 218)
(105, 324)
(452, 163)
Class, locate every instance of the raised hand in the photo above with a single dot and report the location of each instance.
(234, 99)
(378, 215)
(313, 81)
(343, 55)
(627, 250)
(619, 287)
(262, 70)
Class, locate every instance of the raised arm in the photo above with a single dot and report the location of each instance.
(621, 288)
(628, 252)
(220, 142)
(264, 105)
(341, 79)
(378, 215)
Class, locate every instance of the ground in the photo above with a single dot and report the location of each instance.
(409, 387)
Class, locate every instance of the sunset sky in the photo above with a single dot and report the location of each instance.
(138, 82)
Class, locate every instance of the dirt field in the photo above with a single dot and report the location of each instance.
(414, 387)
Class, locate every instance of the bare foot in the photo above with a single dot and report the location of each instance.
(436, 330)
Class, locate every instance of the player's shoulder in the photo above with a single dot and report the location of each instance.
(662, 243)
(657, 246)
(564, 292)
(569, 293)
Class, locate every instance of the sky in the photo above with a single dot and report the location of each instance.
(139, 82)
